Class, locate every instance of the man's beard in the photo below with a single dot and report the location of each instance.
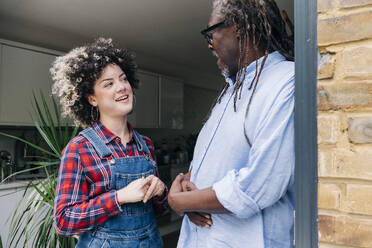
(225, 73)
(224, 70)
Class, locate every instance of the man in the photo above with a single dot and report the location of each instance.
(241, 188)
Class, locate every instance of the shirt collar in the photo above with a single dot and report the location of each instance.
(106, 134)
(272, 58)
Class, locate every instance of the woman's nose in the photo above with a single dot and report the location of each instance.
(121, 86)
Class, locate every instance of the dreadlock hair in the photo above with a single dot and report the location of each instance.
(260, 24)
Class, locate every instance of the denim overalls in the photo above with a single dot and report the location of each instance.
(135, 226)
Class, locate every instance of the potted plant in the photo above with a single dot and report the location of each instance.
(32, 221)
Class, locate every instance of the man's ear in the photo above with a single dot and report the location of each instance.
(92, 100)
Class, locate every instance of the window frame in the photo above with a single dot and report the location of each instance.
(306, 148)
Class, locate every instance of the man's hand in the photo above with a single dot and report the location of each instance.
(175, 189)
(156, 187)
(198, 218)
(197, 200)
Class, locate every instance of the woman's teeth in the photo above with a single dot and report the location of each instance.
(121, 98)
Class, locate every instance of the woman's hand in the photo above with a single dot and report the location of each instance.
(155, 187)
(133, 192)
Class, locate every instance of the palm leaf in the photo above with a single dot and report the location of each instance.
(30, 144)
(41, 166)
(51, 125)
(40, 116)
(74, 132)
(32, 221)
(57, 115)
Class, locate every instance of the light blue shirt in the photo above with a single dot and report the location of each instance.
(256, 184)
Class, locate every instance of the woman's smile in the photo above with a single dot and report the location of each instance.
(123, 98)
(113, 94)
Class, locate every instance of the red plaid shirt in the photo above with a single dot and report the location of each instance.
(83, 198)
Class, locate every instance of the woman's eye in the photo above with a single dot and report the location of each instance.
(124, 79)
(107, 84)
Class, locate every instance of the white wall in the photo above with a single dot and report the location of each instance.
(9, 199)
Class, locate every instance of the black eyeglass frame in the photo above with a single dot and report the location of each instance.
(206, 32)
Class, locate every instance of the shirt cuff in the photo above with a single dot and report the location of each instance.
(230, 195)
(116, 208)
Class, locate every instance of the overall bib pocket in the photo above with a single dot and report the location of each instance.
(122, 180)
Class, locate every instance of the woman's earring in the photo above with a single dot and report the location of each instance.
(94, 113)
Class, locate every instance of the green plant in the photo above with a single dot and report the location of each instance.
(32, 221)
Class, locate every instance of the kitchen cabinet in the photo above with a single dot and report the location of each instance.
(171, 103)
(198, 102)
(21, 72)
(146, 109)
(159, 100)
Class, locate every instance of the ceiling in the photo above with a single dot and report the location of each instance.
(165, 34)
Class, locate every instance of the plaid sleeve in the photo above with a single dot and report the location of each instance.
(160, 203)
(74, 210)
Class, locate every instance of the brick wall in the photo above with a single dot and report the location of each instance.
(345, 123)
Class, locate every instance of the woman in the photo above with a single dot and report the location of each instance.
(107, 184)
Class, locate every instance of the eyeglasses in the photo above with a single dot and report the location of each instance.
(206, 32)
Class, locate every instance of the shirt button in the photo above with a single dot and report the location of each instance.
(112, 161)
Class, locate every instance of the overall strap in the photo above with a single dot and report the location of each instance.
(97, 142)
(142, 147)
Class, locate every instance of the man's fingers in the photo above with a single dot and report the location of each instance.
(190, 186)
(179, 178)
(187, 176)
(204, 215)
(176, 185)
(196, 221)
(184, 186)
(199, 219)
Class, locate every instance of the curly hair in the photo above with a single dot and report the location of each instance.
(74, 75)
(260, 23)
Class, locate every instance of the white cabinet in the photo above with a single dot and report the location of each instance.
(146, 109)
(198, 102)
(21, 72)
(159, 100)
(171, 103)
